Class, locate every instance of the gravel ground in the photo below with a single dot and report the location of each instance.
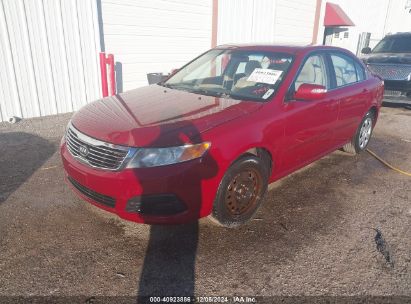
(312, 236)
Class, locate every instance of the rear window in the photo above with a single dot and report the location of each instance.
(394, 44)
(344, 68)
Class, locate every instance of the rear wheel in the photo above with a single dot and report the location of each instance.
(362, 137)
(240, 192)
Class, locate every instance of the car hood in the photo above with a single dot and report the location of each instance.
(157, 116)
(390, 58)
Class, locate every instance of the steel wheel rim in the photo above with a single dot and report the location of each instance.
(365, 133)
(243, 192)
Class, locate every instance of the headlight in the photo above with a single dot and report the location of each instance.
(153, 157)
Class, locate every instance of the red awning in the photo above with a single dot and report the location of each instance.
(335, 16)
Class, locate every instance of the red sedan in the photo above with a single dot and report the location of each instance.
(209, 139)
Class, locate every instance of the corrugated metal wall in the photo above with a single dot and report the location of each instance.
(155, 36)
(242, 21)
(48, 56)
(294, 21)
(271, 21)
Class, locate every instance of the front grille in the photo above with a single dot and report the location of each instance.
(99, 198)
(391, 71)
(392, 93)
(93, 152)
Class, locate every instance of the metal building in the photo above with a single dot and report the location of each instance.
(49, 49)
(280, 21)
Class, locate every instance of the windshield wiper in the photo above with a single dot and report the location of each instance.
(232, 95)
(243, 97)
(176, 87)
(205, 92)
(163, 84)
(224, 94)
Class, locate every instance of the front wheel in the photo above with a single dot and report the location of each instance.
(240, 192)
(361, 138)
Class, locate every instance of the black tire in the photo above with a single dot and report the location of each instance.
(357, 144)
(241, 192)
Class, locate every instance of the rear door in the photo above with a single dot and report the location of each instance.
(348, 86)
(309, 125)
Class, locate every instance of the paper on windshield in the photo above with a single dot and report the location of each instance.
(265, 76)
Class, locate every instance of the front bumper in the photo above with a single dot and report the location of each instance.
(397, 91)
(171, 194)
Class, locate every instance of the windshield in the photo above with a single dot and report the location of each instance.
(238, 74)
(399, 44)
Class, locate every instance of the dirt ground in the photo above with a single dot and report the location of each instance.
(312, 236)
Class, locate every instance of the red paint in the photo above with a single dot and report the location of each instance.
(103, 71)
(295, 133)
(214, 24)
(310, 92)
(135, 118)
(335, 16)
(104, 61)
(110, 62)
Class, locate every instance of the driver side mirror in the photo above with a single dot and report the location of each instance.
(307, 91)
(366, 50)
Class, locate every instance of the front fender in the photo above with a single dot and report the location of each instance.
(234, 138)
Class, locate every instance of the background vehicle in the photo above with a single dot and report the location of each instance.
(210, 138)
(391, 60)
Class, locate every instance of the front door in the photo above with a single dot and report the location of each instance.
(309, 125)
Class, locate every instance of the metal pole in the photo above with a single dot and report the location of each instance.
(110, 61)
(103, 70)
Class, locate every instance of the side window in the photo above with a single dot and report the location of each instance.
(313, 72)
(345, 72)
(360, 72)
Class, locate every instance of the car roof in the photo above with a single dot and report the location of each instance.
(292, 49)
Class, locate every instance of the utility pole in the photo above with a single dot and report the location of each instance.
(386, 17)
